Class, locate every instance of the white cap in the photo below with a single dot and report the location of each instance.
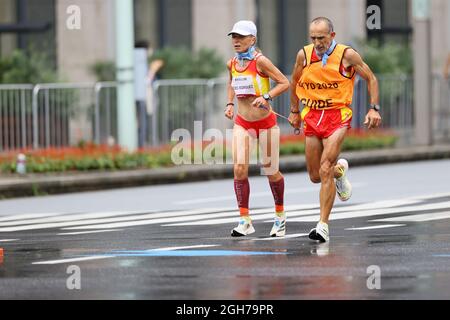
(244, 28)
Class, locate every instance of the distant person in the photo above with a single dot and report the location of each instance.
(322, 80)
(144, 77)
(447, 67)
(250, 74)
(155, 67)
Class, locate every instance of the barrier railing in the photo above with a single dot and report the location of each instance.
(59, 115)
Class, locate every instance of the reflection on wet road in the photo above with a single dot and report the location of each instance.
(188, 254)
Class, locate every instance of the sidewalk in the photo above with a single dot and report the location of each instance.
(41, 184)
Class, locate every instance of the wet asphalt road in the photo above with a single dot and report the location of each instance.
(174, 243)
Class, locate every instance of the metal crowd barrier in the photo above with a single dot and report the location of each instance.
(59, 115)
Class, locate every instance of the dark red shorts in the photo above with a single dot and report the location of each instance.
(263, 124)
(323, 123)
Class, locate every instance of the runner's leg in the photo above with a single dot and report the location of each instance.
(270, 154)
(332, 148)
(240, 151)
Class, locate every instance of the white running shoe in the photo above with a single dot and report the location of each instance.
(244, 228)
(320, 232)
(279, 226)
(343, 186)
(321, 249)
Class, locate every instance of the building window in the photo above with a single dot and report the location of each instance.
(395, 22)
(283, 30)
(175, 23)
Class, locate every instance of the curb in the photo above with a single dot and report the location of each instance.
(42, 184)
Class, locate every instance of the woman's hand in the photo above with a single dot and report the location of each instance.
(229, 111)
(260, 102)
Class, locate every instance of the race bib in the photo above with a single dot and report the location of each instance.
(243, 85)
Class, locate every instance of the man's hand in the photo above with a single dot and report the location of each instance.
(373, 119)
(229, 112)
(295, 120)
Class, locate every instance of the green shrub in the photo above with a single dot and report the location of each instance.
(182, 63)
(389, 58)
(21, 67)
(104, 70)
(88, 157)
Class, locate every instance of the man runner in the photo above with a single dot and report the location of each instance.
(323, 80)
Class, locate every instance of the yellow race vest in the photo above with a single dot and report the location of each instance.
(329, 86)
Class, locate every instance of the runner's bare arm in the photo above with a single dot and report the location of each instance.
(294, 118)
(296, 74)
(229, 110)
(353, 59)
(265, 66)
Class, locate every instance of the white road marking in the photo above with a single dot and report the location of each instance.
(256, 214)
(418, 217)
(73, 260)
(377, 227)
(254, 195)
(197, 220)
(113, 256)
(257, 194)
(86, 232)
(74, 217)
(211, 216)
(288, 236)
(374, 212)
(8, 240)
(290, 215)
(30, 216)
(88, 221)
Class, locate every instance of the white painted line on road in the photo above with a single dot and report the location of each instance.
(254, 195)
(311, 212)
(73, 260)
(434, 196)
(186, 218)
(418, 217)
(294, 235)
(304, 213)
(8, 240)
(365, 213)
(146, 217)
(197, 220)
(29, 216)
(256, 214)
(113, 256)
(87, 232)
(378, 205)
(257, 194)
(74, 217)
(377, 227)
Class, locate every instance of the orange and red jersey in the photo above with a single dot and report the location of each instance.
(249, 82)
(326, 87)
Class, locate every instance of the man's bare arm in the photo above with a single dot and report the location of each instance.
(296, 75)
(354, 59)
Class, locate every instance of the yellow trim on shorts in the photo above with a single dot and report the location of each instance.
(346, 114)
(304, 113)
